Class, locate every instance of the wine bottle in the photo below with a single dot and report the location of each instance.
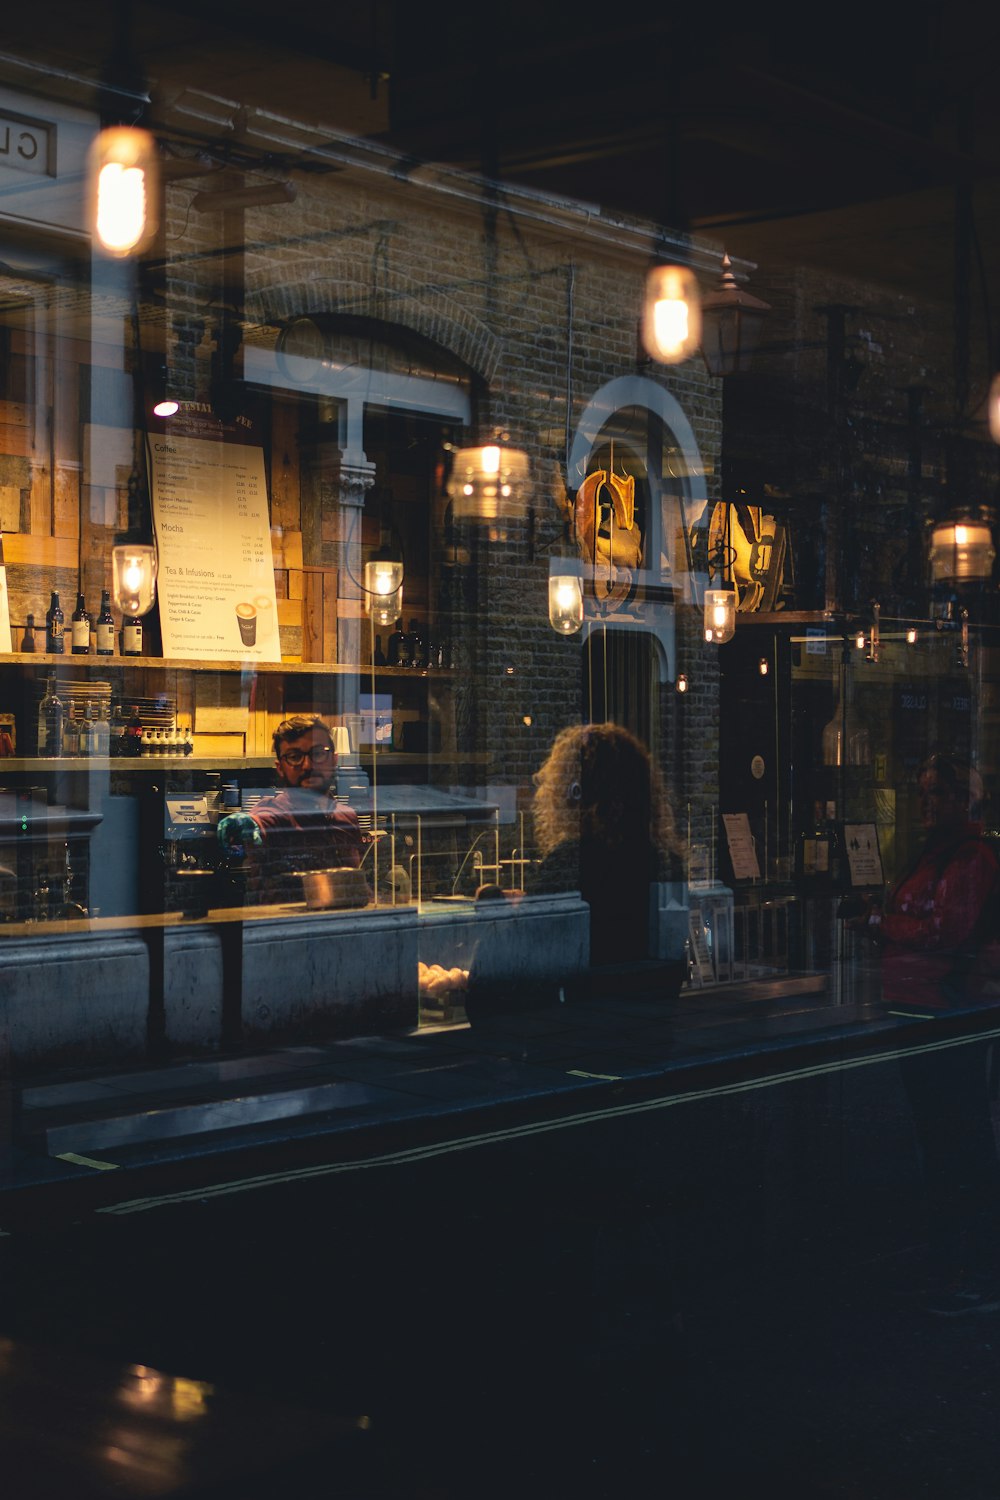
(80, 628)
(28, 638)
(132, 635)
(71, 732)
(133, 733)
(398, 649)
(415, 641)
(102, 731)
(86, 746)
(379, 655)
(54, 641)
(50, 720)
(105, 626)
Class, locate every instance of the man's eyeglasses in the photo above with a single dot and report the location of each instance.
(319, 755)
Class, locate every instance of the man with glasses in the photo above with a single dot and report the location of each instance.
(302, 827)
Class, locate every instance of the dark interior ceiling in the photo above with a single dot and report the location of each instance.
(836, 140)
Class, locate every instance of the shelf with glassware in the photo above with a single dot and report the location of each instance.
(201, 713)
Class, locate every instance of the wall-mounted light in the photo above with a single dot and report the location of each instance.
(565, 595)
(911, 635)
(134, 577)
(731, 323)
(994, 408)
(123, 172)
(671, 314)
(859, 640)
(961, 551)
(875, 639)
(682, 683)
(383, 587)
(763, 666)
(720, 615)
(487, 483)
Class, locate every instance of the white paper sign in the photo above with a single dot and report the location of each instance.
(741, 846)
(863, 857)
(213, 537)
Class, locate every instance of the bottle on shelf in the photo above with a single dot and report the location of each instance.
(101, 740)
(399, 647)
(415, 639)
(71, 732)
(116, 730)
(105, 626)
(131, 635)
(818, 846)
(133, 732)
(378, 656)
(50, 720)
(188, 743)
(54, 641)
(87, 730)
(80, 628)
(28, 638)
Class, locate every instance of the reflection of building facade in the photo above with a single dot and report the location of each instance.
(352, 322)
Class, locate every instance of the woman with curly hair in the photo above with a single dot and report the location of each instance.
(604, 827)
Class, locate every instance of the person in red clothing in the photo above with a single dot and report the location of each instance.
(938, 933)
(302, 827)
(936, 924)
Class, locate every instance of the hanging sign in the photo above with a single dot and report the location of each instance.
(213, 537)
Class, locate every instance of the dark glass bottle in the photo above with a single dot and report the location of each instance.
(80, 628)
(415, 640)
(131, 635)
(28, 638)
(50, 720)
(398, 649)
(55, 643)
(378, 657)
(105, 626)
(133, 733)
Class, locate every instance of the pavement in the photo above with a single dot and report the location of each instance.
(624, 1248)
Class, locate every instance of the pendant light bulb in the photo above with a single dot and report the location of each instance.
(124, 176)
(565, 595)
(671, 318)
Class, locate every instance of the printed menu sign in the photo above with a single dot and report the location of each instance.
(863, 857)
(742, 851)
(213, 537)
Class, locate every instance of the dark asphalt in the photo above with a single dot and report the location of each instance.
(718, 1299)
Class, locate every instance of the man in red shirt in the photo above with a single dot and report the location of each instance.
(302, 826)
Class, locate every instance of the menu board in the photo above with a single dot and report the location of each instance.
(213, 537)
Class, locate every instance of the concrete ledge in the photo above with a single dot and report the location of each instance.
(192, 988)
(333, 975)
(74, 1000)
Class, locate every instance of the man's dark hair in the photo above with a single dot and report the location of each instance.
(295, 727)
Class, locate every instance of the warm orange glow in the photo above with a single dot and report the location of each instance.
(671, 321)
(123, 189)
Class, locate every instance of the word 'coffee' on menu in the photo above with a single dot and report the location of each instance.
(213, 536)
